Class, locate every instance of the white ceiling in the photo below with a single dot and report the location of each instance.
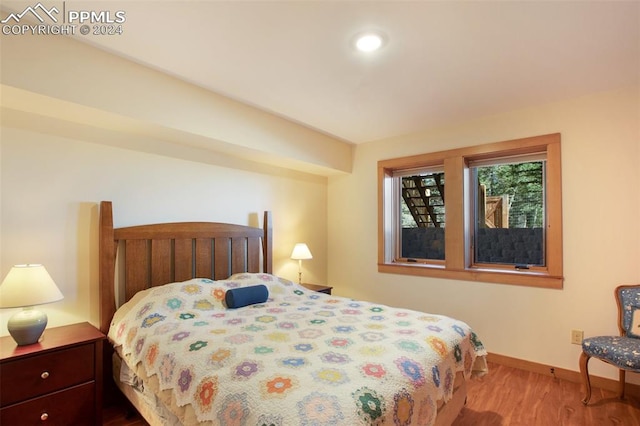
(444, 61)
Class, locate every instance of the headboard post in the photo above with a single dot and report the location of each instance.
(267, 242)
(107, 266)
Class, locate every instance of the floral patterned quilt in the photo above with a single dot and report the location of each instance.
(301, 358)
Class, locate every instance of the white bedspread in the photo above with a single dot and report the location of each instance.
(301, 358)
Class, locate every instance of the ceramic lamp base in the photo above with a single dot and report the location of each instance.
(27, 326)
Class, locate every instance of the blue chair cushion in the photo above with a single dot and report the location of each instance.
(623, 352)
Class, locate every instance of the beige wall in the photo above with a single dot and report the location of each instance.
(601, 201)
(51, 187)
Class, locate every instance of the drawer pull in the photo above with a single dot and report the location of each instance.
(44, 416)
(45, 375)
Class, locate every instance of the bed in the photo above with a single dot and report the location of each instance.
(181, 355)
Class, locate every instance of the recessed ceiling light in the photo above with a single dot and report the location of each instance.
(369, 41)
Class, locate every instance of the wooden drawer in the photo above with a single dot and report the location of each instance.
(38, 375)
(74, 406)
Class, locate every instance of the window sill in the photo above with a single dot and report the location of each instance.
(523, 278)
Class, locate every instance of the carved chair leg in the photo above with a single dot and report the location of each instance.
(621, 384)
(584, 372)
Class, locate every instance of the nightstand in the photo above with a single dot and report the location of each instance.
(319, 288)
(58, 380)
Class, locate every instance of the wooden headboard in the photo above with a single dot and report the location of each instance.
(167, 252)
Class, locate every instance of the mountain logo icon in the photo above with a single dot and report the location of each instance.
(38, 11)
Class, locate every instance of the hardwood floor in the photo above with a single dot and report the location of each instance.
(508, 397)
(121, 413)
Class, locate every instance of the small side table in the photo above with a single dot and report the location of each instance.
(58, 380)
(319, 288)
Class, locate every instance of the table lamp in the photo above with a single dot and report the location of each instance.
(23, 287)
(300, 252)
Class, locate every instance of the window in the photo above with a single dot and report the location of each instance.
(503, 217)
(422, 214)
(509, 211)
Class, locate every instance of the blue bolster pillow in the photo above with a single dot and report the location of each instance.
(244, 296)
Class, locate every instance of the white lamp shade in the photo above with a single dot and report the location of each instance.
(28, 285)
(301, 252)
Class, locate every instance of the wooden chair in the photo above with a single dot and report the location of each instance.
(621, 351)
